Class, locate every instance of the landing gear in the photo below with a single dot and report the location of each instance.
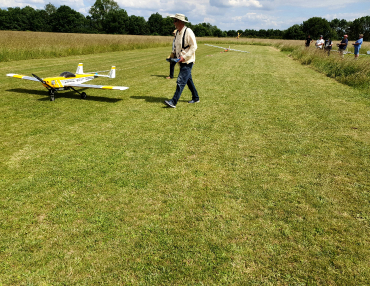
(51, 94)
(50, 88)
(83, 94)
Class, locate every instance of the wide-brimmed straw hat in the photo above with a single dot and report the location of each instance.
(180, 17)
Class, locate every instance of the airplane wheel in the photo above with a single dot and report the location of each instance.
(83, 95)
(51, 93)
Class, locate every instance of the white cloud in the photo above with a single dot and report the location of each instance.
(332, 4)
(17, 3)
(251, 20)
(210, 20)
(235, 3)
(347, 16)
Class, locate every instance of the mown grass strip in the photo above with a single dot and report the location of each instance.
(264, 182)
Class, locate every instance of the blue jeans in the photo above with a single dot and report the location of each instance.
(172, 68)
(183, 79)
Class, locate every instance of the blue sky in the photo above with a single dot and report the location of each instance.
(226, 14)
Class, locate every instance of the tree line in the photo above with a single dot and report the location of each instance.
(105, 16)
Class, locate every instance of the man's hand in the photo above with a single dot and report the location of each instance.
(181, 59)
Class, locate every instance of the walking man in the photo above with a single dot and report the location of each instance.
(185, 47)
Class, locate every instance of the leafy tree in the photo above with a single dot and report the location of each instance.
(340, 27)
(200, 30)
(30, 20)
(360, 26)
(155, 24)
(116, 22)
(50, 9)
(168, 26)
(67, 20)
(137, 26)
(100, 10)
(14, 19)
(317, 26)
(218, 33)
(294, 33)
(250, 33)
(4, 19)
(232, 33)
(262, 33)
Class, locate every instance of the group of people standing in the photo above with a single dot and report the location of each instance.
(342, 46)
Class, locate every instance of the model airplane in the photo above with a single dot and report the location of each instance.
(68, 80)
(227, 49)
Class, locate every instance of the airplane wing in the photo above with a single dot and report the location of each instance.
(22, 76)
(227, 49)
(96, 86)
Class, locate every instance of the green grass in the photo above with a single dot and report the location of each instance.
(350, 71)
(264, 182)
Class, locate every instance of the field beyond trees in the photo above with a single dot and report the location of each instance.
(264, 182)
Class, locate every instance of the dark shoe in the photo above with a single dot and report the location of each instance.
(170, 103)
(193, 101)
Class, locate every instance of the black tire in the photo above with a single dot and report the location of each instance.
(51, 93)
(83, 95)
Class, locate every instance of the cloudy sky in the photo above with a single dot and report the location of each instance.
(226, 14)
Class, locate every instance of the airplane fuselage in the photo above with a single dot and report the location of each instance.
(59, 82)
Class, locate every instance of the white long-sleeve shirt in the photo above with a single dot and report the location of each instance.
(189, 53)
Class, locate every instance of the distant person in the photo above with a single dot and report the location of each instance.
(357, 45)
(320, 43)
(342, 46)
(184, 51)
(308, 41)
(172, 63)
(328, 45)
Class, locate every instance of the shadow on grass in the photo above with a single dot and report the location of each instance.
(150, 98)
(62, 94)
(159, 75)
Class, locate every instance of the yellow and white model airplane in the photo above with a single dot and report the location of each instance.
(226, 49)
(68, 80)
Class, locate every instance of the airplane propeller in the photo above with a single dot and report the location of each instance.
(51, 90)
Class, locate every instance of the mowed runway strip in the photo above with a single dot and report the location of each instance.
(265, 181)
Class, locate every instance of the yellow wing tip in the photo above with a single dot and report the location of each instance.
(15, 75)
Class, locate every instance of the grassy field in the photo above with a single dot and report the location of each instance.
(264, 182)
(15, 45)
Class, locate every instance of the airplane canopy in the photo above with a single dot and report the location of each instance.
(67, 74)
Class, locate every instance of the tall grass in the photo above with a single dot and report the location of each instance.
(349, 71)
(16, 46)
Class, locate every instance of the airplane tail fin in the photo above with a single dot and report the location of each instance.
(112, 73)
(80, 69)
